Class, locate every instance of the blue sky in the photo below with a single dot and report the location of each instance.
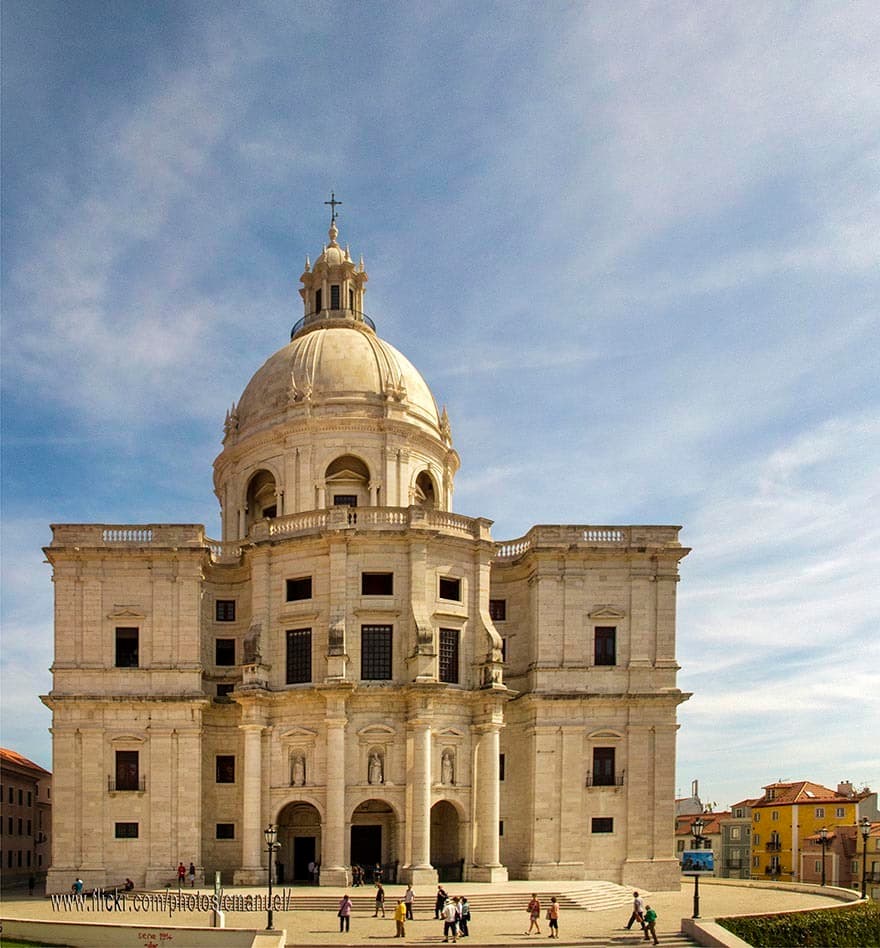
(634, 248)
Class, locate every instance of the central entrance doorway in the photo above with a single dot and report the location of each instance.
(374, 839)
(366, 846)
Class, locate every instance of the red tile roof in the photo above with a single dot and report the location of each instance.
(800, 791)
(13, 757)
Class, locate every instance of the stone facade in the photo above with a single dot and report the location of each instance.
(356, 663)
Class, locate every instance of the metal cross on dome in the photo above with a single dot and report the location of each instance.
(333, 205)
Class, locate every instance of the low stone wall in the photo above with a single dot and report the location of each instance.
(104, 935)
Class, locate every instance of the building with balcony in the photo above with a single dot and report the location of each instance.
(735, 858)
(356, 663)
(26, 821)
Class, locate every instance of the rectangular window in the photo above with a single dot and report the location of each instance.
(224, 651)
(225, 831)
(127, 775)
(734, 832)
(757, 839)
(817, 865)
(224, 689)
(126, 830)
(300, 588)
(10, 824)
(501, 763)
(498, 610)
(29, 832)
(225, 768)
(501, 827)
(839, 812)
(774, 815)
(299, 656)
(757, 817)
(376, 652)
(756, 862)
(224, 610)
(345, 500)
(126, 647)
(377, 584)
(679, 845)
(603, 766)
(334, 296)
(605, 645)
(20, 797)
(350, 298)
(820, 812)
(602, 824)
(30, 798)
(450, 588)
(318, 301)
(449, 655)
(504, 649)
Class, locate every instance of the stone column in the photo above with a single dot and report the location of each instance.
(333, 868)
(487, 794)
(251, 871)
(418, 869)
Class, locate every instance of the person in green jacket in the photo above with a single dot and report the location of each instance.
(650, 923)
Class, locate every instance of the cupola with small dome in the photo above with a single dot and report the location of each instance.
(336, 402)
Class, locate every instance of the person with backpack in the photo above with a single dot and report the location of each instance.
(650, 925)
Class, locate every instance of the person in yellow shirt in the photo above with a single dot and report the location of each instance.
(400, 918)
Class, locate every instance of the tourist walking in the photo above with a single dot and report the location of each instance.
(464, 909)
(534, 910)
(553, 917)
(380, 901)
(650, 925)
(638, 912)
(449, 921)
(440, 901)
(344, 913)
(400, 918)
(192, 875)
(408, 899)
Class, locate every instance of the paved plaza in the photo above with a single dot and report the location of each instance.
(599, 925)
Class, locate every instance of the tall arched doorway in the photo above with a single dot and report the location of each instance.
(262, 498)
(299, 833)
(374, 838)
(446, 849)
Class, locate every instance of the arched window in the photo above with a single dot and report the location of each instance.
(261, 498)
(425, 494)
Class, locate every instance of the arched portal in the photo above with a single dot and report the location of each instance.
(262, 500)
(424, 494)
(299, 833)
(374, 838)
(446, 848)
(346, 482)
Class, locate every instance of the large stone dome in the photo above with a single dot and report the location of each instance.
(335, 369)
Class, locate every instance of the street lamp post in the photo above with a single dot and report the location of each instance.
(271, 834)
(697, 830)
(865, 829)
(823, 842)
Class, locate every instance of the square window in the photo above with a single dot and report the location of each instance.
(376, 652)
(450, 588)
(225, 768)
(300, 588)
(225, 831)
(224, 610)
(498, 610)
(603, 767)
(127, 776)
(602, 824)
(126, 647)
(605, 645)
(224, 651)
(299, 656)
(377, 584)
(449, 655)
(126, 830)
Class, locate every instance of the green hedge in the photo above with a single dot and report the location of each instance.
(856, 926)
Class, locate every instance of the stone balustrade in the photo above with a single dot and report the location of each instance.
(587, 536)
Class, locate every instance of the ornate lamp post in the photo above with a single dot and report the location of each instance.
(823, 842)
(865, 830)
(697, 830)
(272, 844)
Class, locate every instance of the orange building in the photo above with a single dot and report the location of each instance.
(26, 825)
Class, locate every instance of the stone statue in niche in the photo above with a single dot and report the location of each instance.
(376, 768)
(447, 767)
(252, 651)
(298, 771)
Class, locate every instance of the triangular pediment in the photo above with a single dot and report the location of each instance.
(376, 730)
(608, 612)
(450, 732)
(347, 476)
(298, 732)
(126, 612)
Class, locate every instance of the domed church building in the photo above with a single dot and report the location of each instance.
(353, 662)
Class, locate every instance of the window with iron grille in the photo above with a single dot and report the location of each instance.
(126, 830)
(603, 766)
(498, 610)
(127, 776)
(299, 656)
(449, 655)
(224, 610)
(606, 645)
(375, 652)
(334, 296)
(300, 588)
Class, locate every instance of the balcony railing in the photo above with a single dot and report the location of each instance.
(774, 846)
(127, 786)
(587, 536)
(328, 316)
(605, 780)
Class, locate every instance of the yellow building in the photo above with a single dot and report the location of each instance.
(787, 815)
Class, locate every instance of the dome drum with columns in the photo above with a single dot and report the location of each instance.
(354, 662)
